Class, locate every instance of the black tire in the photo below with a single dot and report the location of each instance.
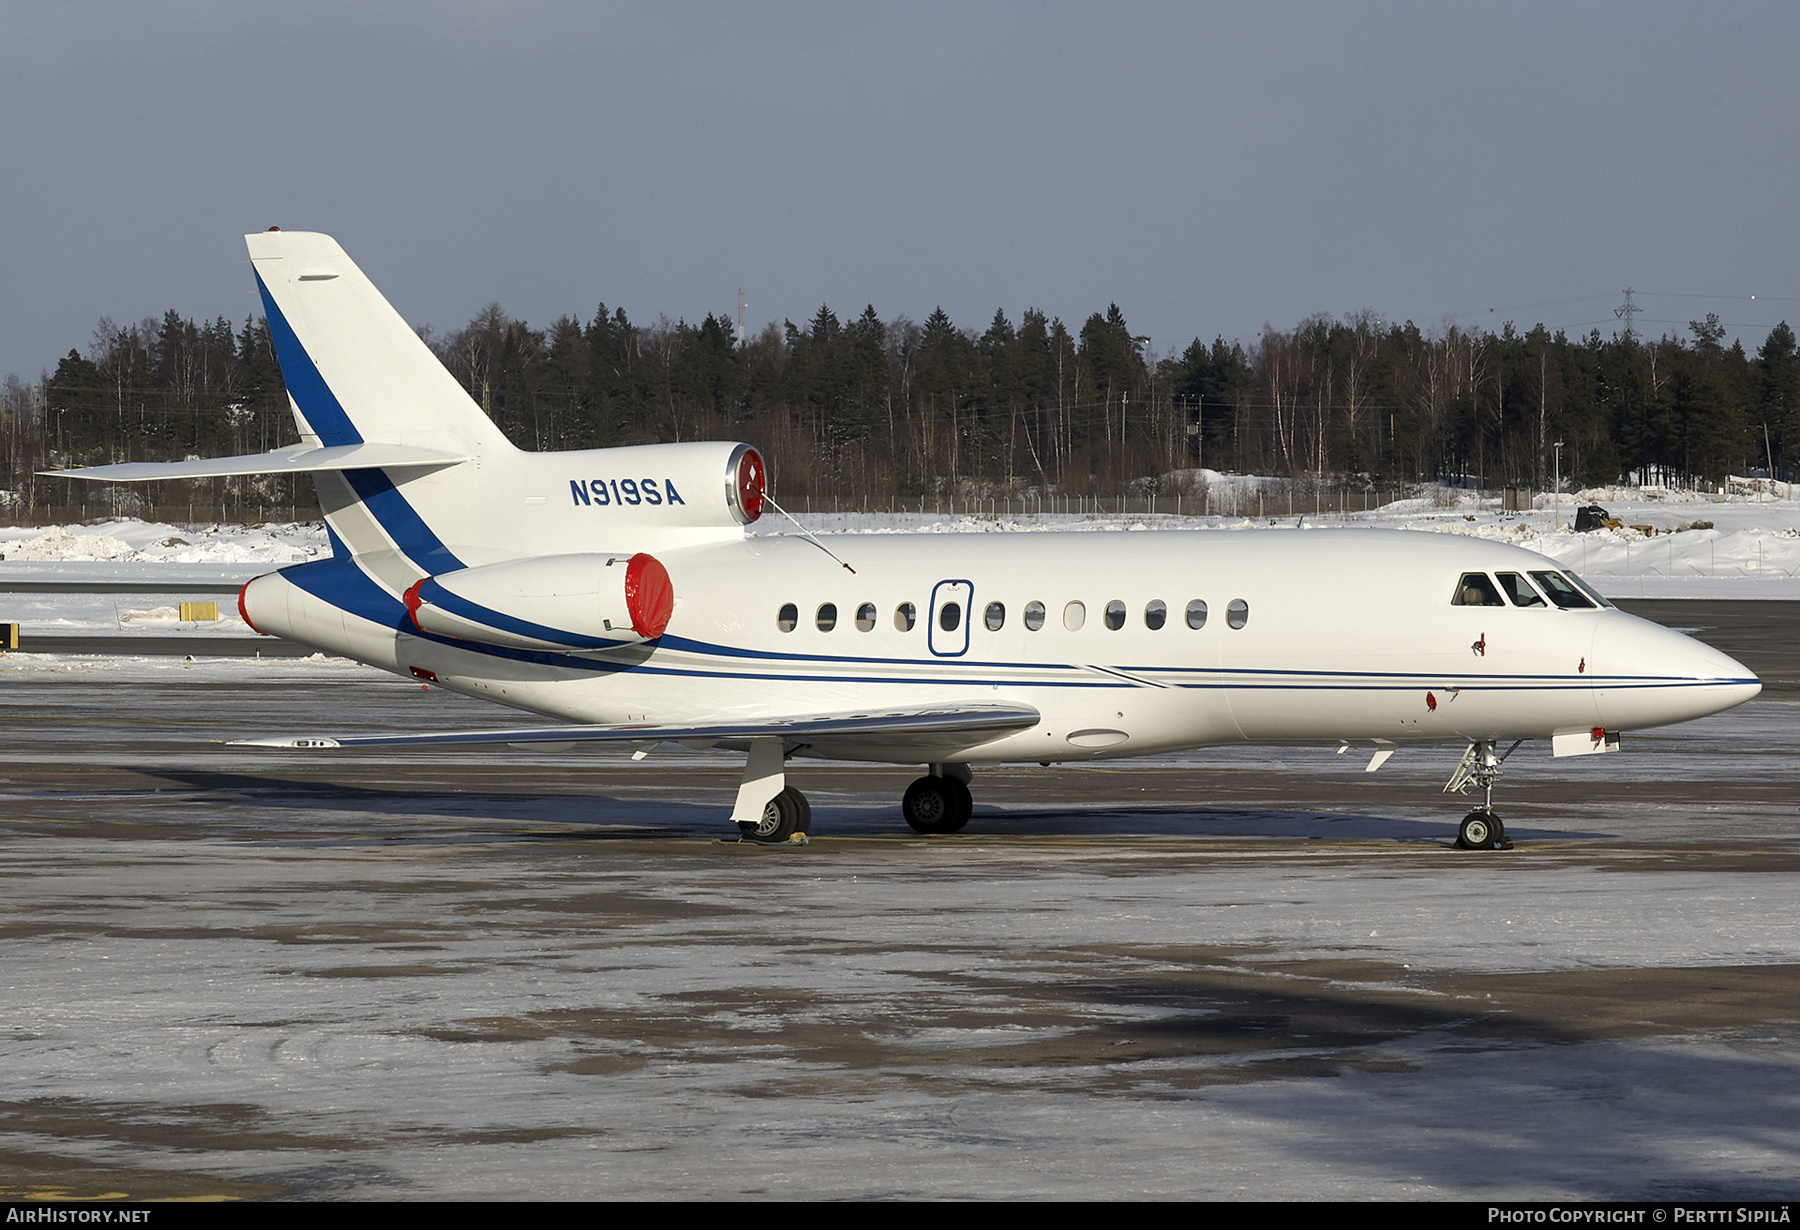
(929, 804)
(1479, 830)
(779, 818)
(965, 806)
(802, 810)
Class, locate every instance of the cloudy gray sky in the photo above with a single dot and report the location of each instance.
(1209, 168)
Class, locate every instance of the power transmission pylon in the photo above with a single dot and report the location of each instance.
(1625, 311)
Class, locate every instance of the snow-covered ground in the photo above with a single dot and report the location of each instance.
(1749, 546)
(411, 983)
(199, 563)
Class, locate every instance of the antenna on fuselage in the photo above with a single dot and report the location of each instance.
(813, 538)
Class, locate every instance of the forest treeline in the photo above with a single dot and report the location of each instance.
(860, 407)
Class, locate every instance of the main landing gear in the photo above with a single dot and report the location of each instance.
(940, 802)
(1481, 829)
(783, 816)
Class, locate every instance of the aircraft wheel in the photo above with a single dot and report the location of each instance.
(1480, 830)
(802, 810)
(936, 805)
(780, 819)
(965, 806)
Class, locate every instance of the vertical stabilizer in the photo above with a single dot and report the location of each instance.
(355, 369)
(358, 374)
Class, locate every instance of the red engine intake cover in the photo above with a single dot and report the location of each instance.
(649, 594)
(752, 483)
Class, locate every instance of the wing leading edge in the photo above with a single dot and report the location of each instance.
(988, 720)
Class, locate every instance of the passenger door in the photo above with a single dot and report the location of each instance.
(948, 631)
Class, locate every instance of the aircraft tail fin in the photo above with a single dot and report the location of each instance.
(356, 371)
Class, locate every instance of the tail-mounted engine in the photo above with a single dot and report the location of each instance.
(550, 602)
(658, 486)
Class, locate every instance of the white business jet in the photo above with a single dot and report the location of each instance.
(618, 592)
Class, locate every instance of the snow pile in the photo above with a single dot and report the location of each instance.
(129, 540)
(1744, 543)
(1736, 491)
(61, 543)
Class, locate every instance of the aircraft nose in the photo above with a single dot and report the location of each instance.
(1649, 675)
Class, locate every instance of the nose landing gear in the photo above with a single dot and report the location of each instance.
(1481, 829)
(783, 816)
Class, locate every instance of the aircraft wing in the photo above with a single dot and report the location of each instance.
(935, 724)
(301, 459)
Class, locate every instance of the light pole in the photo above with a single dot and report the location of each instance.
(1556, 497)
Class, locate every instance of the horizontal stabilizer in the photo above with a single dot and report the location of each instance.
(301, 459)
(991, 720)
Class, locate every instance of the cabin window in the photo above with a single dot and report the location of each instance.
(1034, 615)
(1561, 592)
(995, 616)
(950, 616)
(1237, 614)
(1074, 615)
(1476, 590)
(1518, 589)
(1196, 614)
(865, 617)
(905, 617)
(827, 617)
(1156, 614)
(1587, 589)
(788, 618)
(1115, 615)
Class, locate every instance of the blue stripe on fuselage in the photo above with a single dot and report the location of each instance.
(341, 583)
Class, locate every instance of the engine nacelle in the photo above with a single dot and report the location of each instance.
(587, 601)
(668, 486)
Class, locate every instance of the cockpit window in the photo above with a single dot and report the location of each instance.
(1587, 589)
(1476, 590)
(1561, 592)
(1518, 589)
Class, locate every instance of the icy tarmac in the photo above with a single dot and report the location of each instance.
(1251, 973)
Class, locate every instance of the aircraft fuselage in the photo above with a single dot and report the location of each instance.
(1303, 636)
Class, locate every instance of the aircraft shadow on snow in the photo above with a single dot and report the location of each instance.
(662, 814)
